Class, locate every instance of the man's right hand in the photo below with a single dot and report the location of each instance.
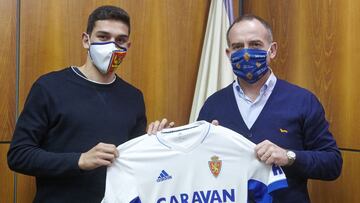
(100, 155)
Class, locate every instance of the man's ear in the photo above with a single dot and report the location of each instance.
(228, 52)
(273, 50)
(85, 38)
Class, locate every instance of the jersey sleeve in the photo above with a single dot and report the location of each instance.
(265, 180)
(121, 184)
(262, 178)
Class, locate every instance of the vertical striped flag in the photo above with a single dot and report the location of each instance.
(215, 70)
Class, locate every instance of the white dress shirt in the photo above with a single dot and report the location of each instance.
(250, 110)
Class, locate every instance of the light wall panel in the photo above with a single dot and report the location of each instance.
(6, 177)
(319, 50)
(345, 189)
(165, 54)
(25, 188)
(7, 68)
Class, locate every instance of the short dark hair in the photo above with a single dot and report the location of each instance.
(107, 13)
(250, 17)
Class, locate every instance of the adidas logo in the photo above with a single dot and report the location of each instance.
(163, 176)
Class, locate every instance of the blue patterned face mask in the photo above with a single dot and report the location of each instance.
(249, 64)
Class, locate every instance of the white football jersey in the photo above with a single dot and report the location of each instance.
(194, 163)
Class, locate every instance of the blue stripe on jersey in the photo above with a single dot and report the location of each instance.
(277, 185)
(135, 200)
(162, 143)
(258, 192)
(207, 133)
(164, 172)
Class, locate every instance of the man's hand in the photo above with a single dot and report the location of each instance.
(156, 126)
(270, 153)
(215, 122)
(100, 155)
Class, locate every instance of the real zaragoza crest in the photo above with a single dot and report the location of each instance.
(247, 56)
(215, 166)
(116, 60)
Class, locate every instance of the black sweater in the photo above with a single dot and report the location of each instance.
(65, 115)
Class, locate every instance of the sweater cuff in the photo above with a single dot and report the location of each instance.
(74, 160)
(300, 162)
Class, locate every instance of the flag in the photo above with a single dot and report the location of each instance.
(215, 70)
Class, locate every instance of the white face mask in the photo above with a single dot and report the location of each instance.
(106, 56)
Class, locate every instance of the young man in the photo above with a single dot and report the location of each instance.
(74, 118)
(285, 121)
